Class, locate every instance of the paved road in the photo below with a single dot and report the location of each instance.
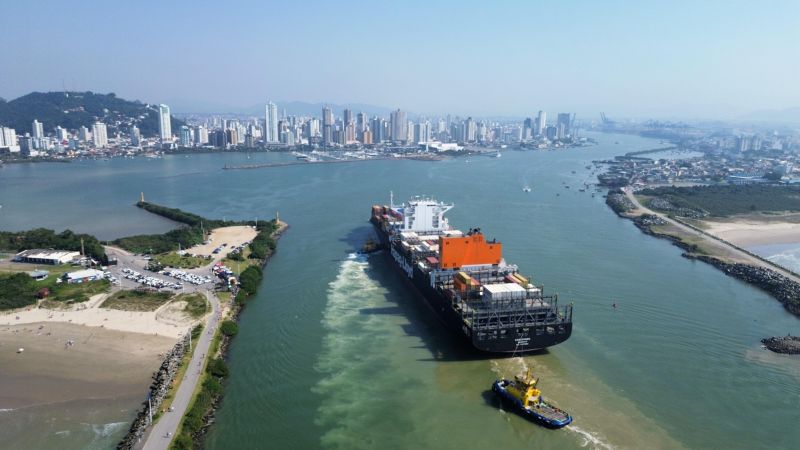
(158, 438)
(740, 255)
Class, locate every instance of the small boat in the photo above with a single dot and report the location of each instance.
(526, 399)
(526, 189)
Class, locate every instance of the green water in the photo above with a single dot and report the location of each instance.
(335, 352)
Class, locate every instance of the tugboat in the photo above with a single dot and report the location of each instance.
(527, 401)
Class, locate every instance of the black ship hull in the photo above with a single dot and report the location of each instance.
(512, 341)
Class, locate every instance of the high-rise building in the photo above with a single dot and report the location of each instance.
(136, 136)
(164, 124)
(99, 135)
(376, 128)
(422, 132)
(61, 134)
(271, 129)
(350, 133)
(201, 135)
(8, 138)
(541, 123)
(361, 124)
(399, 126)
(562, 125)
(38, 129)
(185, 136)
(327, 126)
(83, 134)
(366, 137)
(347, 116)
(470, 131)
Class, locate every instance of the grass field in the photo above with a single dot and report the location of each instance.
(136, 300)
(196, 304)
(173, 259)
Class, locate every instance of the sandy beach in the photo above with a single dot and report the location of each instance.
(55, 394)
(233, 236)
(750, 232)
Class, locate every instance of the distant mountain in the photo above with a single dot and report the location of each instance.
(72, 110)
(784, 116)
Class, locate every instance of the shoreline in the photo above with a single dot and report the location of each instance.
(781, 283)
(222, 342)
(98, 379)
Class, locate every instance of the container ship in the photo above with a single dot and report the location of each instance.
(464, 279)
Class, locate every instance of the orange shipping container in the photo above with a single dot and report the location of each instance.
(469, 250)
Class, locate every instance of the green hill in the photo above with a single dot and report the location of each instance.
(72, 110)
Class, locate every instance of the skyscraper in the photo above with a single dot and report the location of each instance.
(38, 130)
(399, 125)
(271, 129)
(99, 135)
(562, 125)
(136, 136)
(347, 117)
(201, 135)
(541, 123)
(164, 124)
(470, 130)
(185, 136)
(62, 134)
(327, 126)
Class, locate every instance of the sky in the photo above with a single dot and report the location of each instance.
(670, 59)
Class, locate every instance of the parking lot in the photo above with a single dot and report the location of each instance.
(130, 272)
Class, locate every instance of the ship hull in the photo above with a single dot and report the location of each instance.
(515, 341)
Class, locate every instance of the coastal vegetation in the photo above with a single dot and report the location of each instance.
(43, 238)
(18, 290)
(196, 304)
(193, 233)
(173, 259)
(727, 200)
(136, 300)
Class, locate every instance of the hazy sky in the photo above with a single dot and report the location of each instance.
(627, 58)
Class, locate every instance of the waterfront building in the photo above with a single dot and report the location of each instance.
(482, 132)
(136, 136)
(38, 129)
(350, 133)
(541, 124)
(62, 134)
(551, 133)
(470, 130)
(164, 124)
(201, 135)
(232, 136)
(399, 126)
(185, 136)
(378, 128)
(361, 124)
(422, 132)
(271, 128)
(51, 257)
(83, 134)
(99, 135)
(347, 116)
(327, 126)
(366, 137)
(563, 125)
(8, 139)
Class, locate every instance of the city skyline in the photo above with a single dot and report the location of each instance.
(721, 60)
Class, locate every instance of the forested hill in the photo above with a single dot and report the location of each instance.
(71, 110)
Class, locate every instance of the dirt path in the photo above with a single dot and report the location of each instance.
(719, 245)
